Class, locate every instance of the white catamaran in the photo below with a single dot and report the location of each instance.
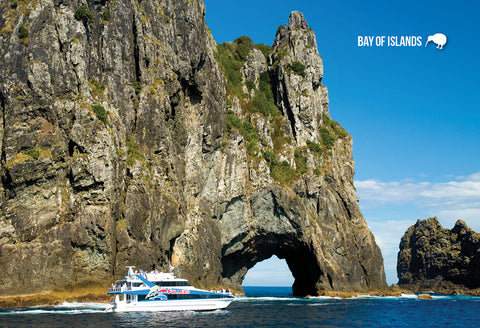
(160, 291)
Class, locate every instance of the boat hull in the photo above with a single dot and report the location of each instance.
(171, 305)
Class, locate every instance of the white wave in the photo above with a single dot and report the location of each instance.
(456, 297)
(76, 305)
(441, 297)
(266, 298)
(53, 311)
(376, 297)
(324, 298)
(64, 308)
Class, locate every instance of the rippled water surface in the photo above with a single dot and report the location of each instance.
(267, 307)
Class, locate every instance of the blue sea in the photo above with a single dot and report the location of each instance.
(267, 307)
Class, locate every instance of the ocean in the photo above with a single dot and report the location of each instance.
(267, 307)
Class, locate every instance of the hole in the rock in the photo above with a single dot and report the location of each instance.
(271, 277)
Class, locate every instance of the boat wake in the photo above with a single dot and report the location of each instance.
(65, 308)
(318, 299)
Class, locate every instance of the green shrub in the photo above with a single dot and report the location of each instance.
(279, 29)
(245, 40)
(83, 14)
(326, 120)
(270, 157)
(265, 49)
(230, 62)
(231, 57)
(339, 131)
(265, 81)
(101, 113)
(34, 153)
(283, 173)
(22, 32)
(279, 138)
(298, 68)
(243, 46)
(250, 85)
(249, 131)
(260, 104)
(252, 148)
(137, 85)
(121, 224)
(14, 4)
(242, 51)
(233, 121)
(327, 139)
(300, 162)
(263, 102)
(106, 14)
(314, 147)
(134, 152)
(97, 87)
(278, 57)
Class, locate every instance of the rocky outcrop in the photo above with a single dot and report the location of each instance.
(432, 258)
(123, 144)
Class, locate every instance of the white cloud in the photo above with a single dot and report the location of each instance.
(457, 199)
(389, 192)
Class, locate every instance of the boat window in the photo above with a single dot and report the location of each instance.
(173, 284)
(194, 296)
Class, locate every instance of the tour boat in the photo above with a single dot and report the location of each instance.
(162, 291)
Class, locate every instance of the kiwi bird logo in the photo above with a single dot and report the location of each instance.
(439, 39)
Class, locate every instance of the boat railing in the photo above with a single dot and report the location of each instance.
(118, 289)
(152, 275)
(160, 276)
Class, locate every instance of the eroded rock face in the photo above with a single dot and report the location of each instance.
(116, 151)
(301, 97)
(432, 258)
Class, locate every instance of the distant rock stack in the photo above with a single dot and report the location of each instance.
(432, 258)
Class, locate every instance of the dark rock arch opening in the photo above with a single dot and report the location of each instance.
(299, 256)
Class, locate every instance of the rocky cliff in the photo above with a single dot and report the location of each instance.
(432, 258)
(129, 137)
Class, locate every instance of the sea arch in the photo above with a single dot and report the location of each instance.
(269, 230)
(323, 238)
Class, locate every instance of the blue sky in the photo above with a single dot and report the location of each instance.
(413, 112)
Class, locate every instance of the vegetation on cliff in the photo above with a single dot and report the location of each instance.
(129, 136)
(255, 95)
